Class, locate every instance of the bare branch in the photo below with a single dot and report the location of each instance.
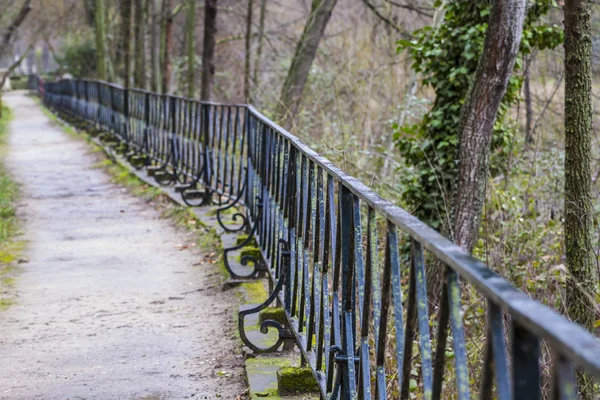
(419, 10)
(20, 17)
(14, 66)
(385, 19)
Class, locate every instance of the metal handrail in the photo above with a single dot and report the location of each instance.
(339, 282)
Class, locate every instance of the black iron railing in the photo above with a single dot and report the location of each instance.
(356, 307)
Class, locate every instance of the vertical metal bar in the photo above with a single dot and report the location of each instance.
(458, 335)
(418, 265)
(564, 382)
(381, 384)
(348, 299)
(526, 367)
(206, 138)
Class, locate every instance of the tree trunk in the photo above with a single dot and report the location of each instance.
(139, 75)
(125, 44)
(168, 48)
(291, 93)
(247, 56)
(478, 114)
(154, 46)
(208, 49)
(261, 32)
(191, 47)
(12, 28)
(528, 109)
(579, 211)
(100, 40)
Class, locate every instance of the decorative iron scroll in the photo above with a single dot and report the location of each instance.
(331, 249)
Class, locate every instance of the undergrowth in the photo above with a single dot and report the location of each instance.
(10, 249)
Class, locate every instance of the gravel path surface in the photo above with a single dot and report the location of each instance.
(109, 306)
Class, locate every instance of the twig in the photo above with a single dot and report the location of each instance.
(418, 10)
(385, 19)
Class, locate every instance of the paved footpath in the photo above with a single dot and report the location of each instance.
(109, 306)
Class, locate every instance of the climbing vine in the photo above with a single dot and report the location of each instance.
(447, 58)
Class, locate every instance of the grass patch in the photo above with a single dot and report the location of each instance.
(10, 250)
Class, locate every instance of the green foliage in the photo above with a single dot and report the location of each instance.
(447, 58)
(78, 57)
(8, 191)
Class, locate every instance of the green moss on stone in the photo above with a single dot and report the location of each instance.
(250, 251)
(273, 314)
(295, 380)
(242, 238)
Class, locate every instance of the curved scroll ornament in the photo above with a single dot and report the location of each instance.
(259, 266)
(245, 225)
(162, 176)
(284, 332)
(192, 197)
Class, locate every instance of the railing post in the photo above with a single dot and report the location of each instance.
(147, 123)
(206, 138)
(112, 110)
(99, 94)
(126, 114)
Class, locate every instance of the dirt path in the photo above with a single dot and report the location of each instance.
(108, 306)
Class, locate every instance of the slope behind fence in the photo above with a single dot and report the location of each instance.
(347, 266)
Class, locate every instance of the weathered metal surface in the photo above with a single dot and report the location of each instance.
(340, 283)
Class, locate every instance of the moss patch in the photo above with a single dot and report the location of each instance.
(10, 250)
(273, 314)
(242, 238)
(254, 292)
(253, 253)
(295, 380)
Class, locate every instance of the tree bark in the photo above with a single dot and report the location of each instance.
(579, 211)
(261, 32)
(208, 49)
(191, 47)
(247, 55)
(14, 25)
(9, 71)
(478, 114)
(100, 40)
(291, 93)
(125, 43)
(168, 48)
(139, 75)
(528, 108)
(154, 46)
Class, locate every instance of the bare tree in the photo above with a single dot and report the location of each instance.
(12, 28)
(478, 115)
(191, 47)
(291, 93)
(125, 43)
(100, 40)
(208, 49)
(154, 45)
(167, 14)
(261, 32)
(247, 55)
(139, 69)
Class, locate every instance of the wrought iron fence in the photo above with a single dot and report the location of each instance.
(332, 250)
